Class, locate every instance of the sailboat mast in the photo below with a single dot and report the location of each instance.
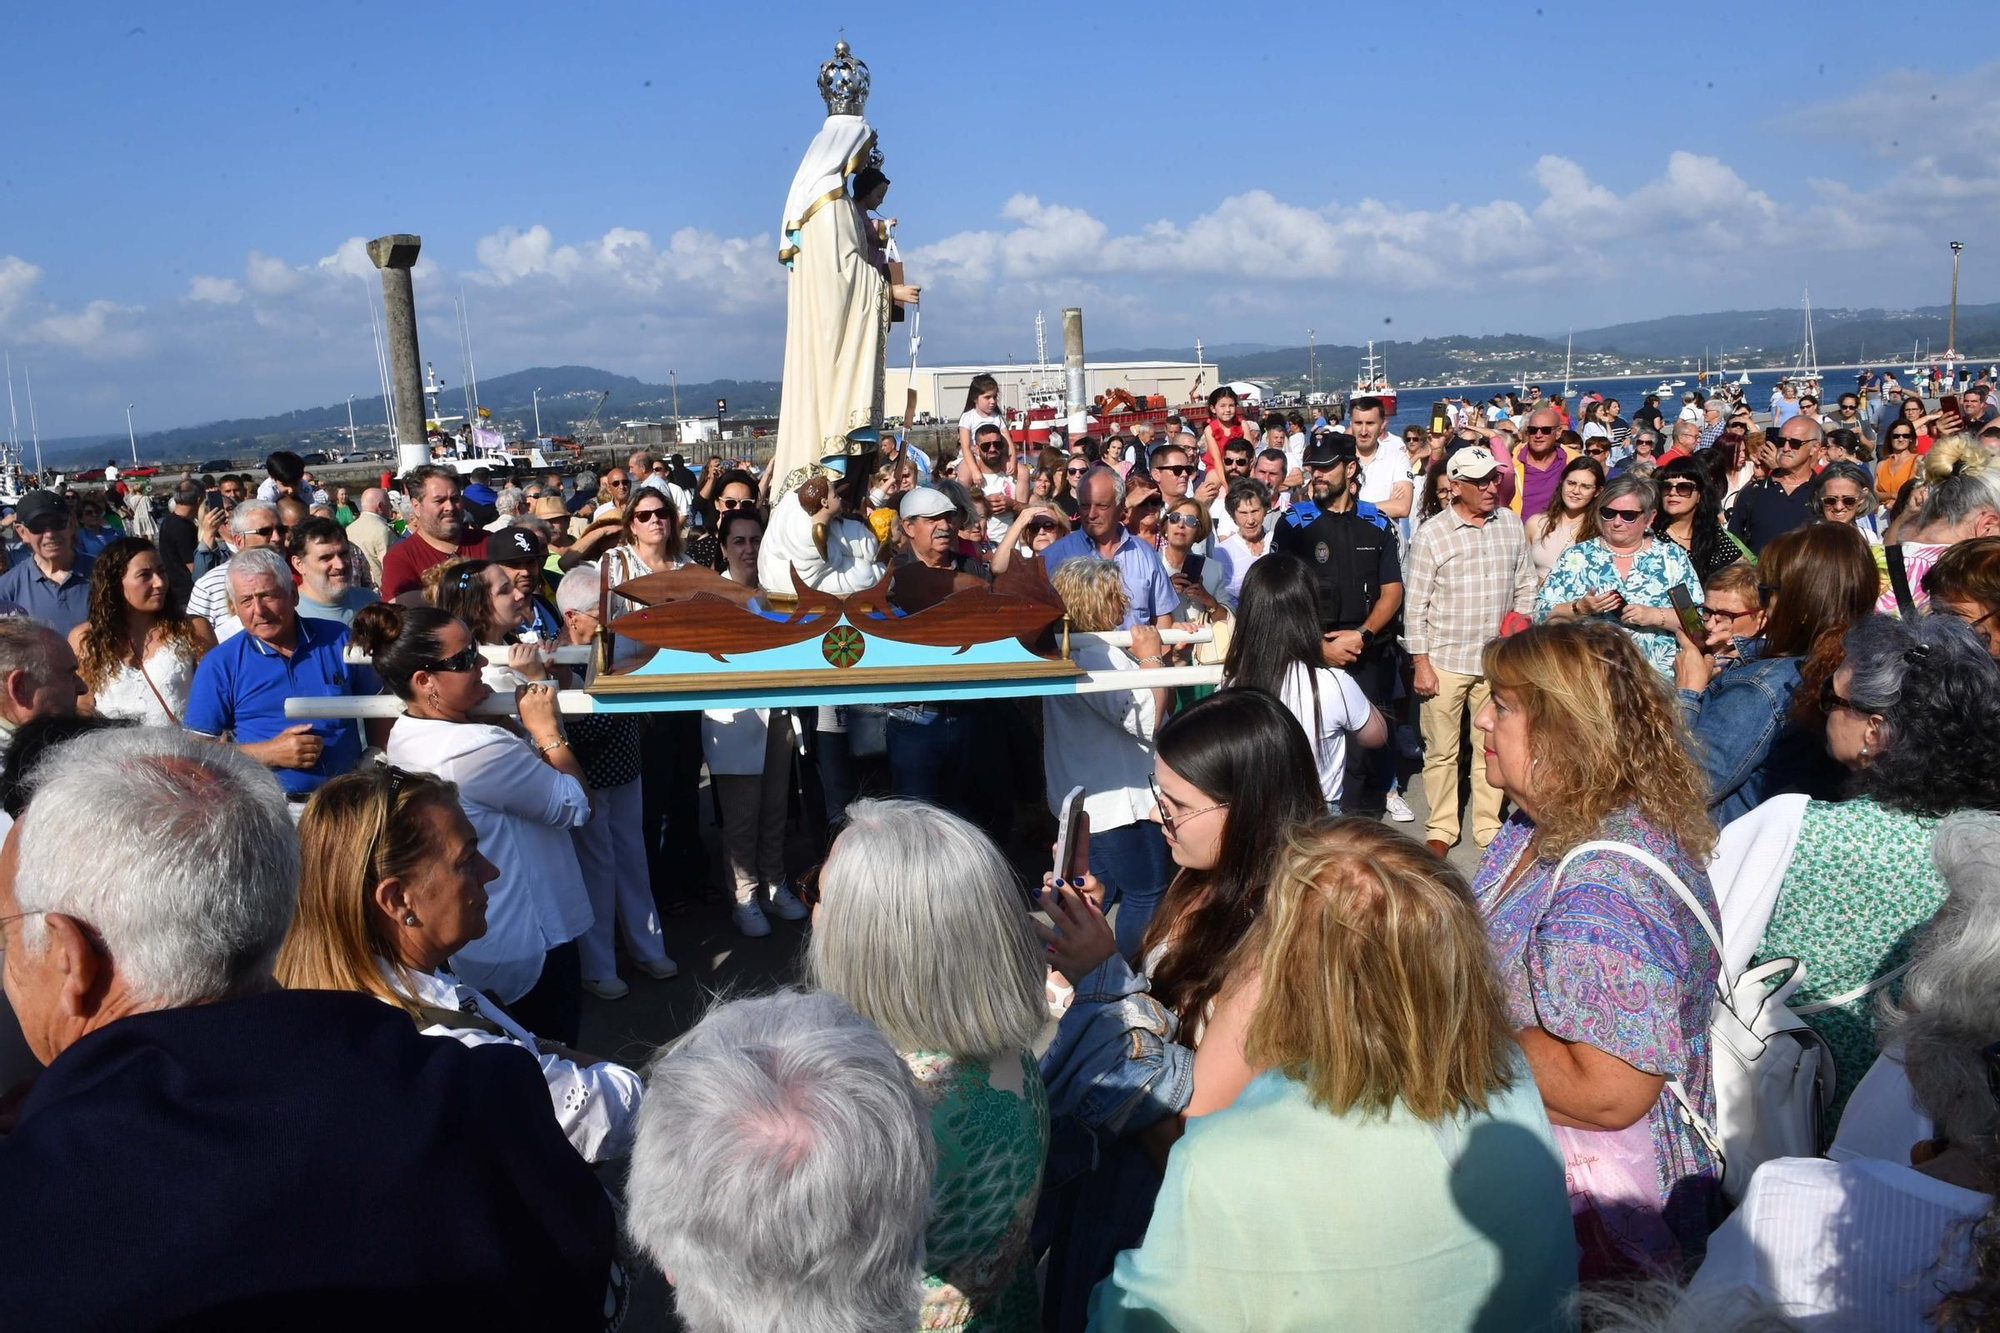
(13, 421)
(1568, 352)
(471, 366)
(34, 428)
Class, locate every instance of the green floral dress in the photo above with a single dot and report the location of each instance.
(991, 1145)
(1858, 892)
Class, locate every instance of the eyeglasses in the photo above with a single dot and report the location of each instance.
(43, 526)
(1171, 822)
(265, 532)
(806, 887)
(727, 503)
(1076, 471)
(1720, 613)
(1540, 430)
(1680, 486)
(1181, 520)
(1902, 435)
(1970, 622)
(1828, 700)
(649, 515)
(1178, 469)
(397, 777)
(1042, 525)
(467, 658)
(620, 484)
(1610, 515)
(1596, 450)
(1839, 502)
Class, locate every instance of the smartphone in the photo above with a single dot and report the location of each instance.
(1949, 403)
(1439, 418)
(1692, 623)
(1072, 842)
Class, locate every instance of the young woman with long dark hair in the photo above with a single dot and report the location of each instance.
(137, 650)
(1276, 647)
(1688, 516)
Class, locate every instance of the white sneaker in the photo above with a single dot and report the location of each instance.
(1398, 808)
(749, 919)
(664, 970)
(611, 988)
(785, 906)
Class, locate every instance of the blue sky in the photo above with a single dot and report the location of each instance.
(181, 187)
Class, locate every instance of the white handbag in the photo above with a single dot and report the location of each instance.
(1774, 1075)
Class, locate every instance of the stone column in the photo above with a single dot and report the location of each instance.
(1076, 387)
(395, 256)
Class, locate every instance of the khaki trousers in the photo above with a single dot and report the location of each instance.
(1458, 698)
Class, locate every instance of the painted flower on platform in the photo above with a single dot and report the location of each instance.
(843, 646)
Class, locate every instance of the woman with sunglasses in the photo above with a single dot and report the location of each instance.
(1965, 582)
(393, 884)
(483, 596)
(1913, 715)
(735, 490)
(1689, 518)
(1899, 461)
(523, 791)
(1842, 493)
(1199, 579)
(1756, 723)
(1624, 575)
(1233, 781)
(137, 651)
(1569, 517)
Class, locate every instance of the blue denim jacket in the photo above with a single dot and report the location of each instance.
(1747, 743)
(1114, 1064)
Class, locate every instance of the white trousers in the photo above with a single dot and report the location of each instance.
(611, 852)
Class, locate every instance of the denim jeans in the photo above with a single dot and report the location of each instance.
(1134, 866)
(930, 755)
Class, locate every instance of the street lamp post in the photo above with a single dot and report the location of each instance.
(353, 444)
(538, 413)
(1312, 362)
(130, 438)
(1951, 329)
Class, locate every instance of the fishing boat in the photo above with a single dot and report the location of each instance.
(1373, 382)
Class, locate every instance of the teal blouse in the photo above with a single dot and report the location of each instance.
(1587, 567)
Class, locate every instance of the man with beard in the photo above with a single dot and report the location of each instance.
(438, 531)
(1351, 548)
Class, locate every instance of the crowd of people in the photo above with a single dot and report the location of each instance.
(1717, 700)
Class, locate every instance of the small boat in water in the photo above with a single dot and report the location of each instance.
(1373, 382)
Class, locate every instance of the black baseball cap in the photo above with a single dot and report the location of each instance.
(511, 544)
(1329, 447)
(39, 504)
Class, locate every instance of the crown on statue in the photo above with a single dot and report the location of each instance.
(843, 82)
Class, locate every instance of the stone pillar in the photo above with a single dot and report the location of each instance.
(395, 256)
(1074, 384)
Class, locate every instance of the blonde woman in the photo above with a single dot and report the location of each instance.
(1388, 1070)
(1584, 736)
(393, 884)
(1962, 502)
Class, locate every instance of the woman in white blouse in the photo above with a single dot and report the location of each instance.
(522, 793)
(1248, 503)
(393, 883)
(749, 754)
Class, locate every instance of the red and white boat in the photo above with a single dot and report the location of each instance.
(1373, 382)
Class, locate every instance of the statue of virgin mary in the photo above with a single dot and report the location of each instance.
(838, 297)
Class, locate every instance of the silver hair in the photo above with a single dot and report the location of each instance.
(27, 645)
(508, 501)
(1117, 482)
(261, 561)
(580, 590)
(195, 867)
(1950, 1007)
(539, 526)
(1639, 488)
(1665, 1306)
(1687, 428)
(960, 497)
(1188, 440)
(242, 518)
(782, 1171)
(923, 930)
(1818, 431)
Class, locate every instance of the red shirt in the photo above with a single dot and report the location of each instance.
(403, 567)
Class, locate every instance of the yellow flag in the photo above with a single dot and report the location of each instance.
(484, 413)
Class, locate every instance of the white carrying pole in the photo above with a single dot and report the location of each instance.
(582, 701)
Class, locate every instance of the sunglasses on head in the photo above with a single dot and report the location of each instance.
(467, 658)
(1608, 514)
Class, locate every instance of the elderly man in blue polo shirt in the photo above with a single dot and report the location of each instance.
(240, 687)
(53, 583)
(1100, 514)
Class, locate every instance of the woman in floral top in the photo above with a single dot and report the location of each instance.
(919, 925)
(1914, 713)
(1623, 575)
(1607, 974)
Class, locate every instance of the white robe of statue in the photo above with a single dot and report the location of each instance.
(837, 306)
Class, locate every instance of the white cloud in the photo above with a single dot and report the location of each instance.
(214, 291)
(17, 278)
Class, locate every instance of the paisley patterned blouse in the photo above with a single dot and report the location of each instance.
(991, 1145)
(1587, 567)
(1613, 958)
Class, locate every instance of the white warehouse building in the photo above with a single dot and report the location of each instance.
(941, 389)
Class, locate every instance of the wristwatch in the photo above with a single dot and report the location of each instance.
(1367, 638)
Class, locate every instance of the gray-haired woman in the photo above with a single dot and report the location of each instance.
(918, 923)
(1914, 714)
(1843, 493)
(1624, 574)
(1872, 1242)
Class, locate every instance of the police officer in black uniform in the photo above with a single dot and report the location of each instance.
(1351, 549)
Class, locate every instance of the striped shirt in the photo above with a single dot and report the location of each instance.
(1463, 577)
